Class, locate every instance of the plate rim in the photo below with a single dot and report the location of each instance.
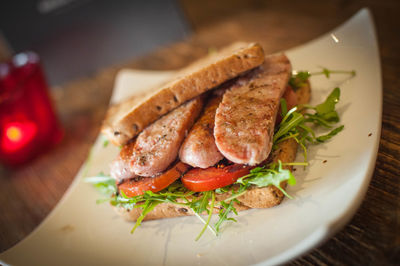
(323, 232)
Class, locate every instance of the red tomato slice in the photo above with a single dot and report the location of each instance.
(211, 178)
(291, 101)
(133, 187)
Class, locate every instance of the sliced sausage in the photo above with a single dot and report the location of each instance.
(244, 121)
(199, 149)
(120, 168)
(157, 146)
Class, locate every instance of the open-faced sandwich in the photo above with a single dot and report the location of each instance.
(220, 137)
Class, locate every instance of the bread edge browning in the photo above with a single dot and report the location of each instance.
(255, 197)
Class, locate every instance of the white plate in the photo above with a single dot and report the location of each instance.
(78, 231)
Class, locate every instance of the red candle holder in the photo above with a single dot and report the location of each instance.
(28, 124)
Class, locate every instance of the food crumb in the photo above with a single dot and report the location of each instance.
(198, 255)
(324, 161)
(67, 228)
(370, 134)
(294, 169)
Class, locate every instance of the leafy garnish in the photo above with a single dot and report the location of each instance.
(300, 78)
(105, 143)
(225, 210)
(325, 112)
(328, 136)
(329, 105)
(200, 205)
(297, 124)
(264, 176)
(105, 184)
(289, 122)
(147, 207)
(327, 72)
(227, 205)
(209, 210)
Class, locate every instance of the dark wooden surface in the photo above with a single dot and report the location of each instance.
(372, 237)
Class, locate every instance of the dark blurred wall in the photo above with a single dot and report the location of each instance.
(77, 37)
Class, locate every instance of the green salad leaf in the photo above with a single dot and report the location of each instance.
(328, 105)
(299, 79)
(265, 176)
(328, 72)
(298, 122)
(105, 184)
(328, 136)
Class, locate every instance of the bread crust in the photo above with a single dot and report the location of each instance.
(254, 197)
(197, 78)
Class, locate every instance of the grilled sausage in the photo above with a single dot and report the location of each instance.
(158, 145)
(199, 149)
(244, 121)
(120, 168)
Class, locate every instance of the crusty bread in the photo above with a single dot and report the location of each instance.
(122, 124)
(253, 198)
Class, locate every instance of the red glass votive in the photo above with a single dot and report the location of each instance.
(28, 124)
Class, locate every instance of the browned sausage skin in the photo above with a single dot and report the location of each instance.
(245, 119)
(158, 145)
(199, 149)
(120, 168)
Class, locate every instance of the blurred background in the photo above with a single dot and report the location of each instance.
(83, 44)
(77, 37)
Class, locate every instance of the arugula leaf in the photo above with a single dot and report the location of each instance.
(105, 143)
(210, 211)
(303, 75)
(105, 184)
(327, 72)
(226, 209)
(264, 177)
(283, 107)
(148, 207)
(325, 113)
(290, 121)
(223, 189)
(322, 121)
(199, 206)
(296, 123)
(328, 136)
(328, 105)
(299, 79)
(100, 178)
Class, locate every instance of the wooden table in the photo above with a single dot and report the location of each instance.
(29, 193)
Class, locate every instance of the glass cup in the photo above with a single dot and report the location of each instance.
(28, 124)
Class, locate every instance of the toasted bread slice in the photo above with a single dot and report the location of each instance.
(255, 197)
(124, 121)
